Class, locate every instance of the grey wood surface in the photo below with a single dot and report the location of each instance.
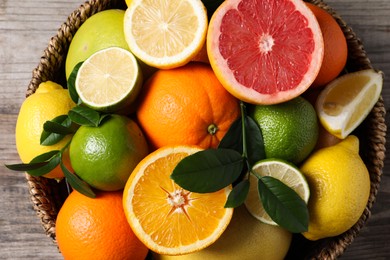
(26, 27)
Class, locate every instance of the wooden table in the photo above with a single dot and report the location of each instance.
(25, 29)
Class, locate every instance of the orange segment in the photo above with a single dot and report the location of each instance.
(167, 218)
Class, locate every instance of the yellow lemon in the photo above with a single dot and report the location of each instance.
(49, 101)
(339, 185)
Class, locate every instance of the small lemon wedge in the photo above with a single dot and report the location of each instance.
(346, 101)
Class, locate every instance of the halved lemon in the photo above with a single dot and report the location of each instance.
(346, 101)
(165, 34)
(281, 170)
(166, 218)
(109, 80)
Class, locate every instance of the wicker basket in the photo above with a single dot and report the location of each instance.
(48, 195)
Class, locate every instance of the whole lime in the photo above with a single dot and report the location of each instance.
(105, 156)
(102, 30)
(289, 129)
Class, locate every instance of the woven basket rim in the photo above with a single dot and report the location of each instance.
(47, 198)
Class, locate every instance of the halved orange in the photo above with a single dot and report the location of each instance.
(168, 219)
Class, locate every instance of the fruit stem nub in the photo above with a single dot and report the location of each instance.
(212, 129)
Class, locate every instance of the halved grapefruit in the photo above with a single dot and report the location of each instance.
(265, 51)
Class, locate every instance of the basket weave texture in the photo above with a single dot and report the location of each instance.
(47, 195)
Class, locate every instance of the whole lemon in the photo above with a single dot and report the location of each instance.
(340, 187)
(49, 101)
(105, 156)
(289, 129)
(244, 238)
(102, 30)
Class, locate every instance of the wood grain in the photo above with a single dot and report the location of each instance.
(26, 27)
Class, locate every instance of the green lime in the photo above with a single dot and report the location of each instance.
(102, 30)
(106, 155)
(290, 129)
(109, 88)
(282, 170)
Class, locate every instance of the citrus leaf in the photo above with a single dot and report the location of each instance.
(84, 116)
(233, 137)
(254, 141)
(23, 167)
(72, 84)
(238, 195)
(76, 183)
(52, 160)
(57, 128)
(51, 133)
(283, 204)
(208, 170)
(36, 163)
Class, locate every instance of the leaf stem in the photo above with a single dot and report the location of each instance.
(243, 116)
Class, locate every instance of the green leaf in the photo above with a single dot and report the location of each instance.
(76, 183)
(57, 128)
(52, 134)
(36, 163)
(72, 84)
(238, 195)
(53, 159)
(84, 116)
(283, 204)
(208, 170)
(254, 141)
(23, 167)
(233, 137)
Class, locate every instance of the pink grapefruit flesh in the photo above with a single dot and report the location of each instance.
(265, 51)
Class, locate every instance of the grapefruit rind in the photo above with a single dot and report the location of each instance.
(227, 77)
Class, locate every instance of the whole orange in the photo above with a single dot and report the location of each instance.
(335, 47)
(186, 106)
(96, 228)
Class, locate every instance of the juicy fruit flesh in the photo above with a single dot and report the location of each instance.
(258, 62)
(169, 219)
(175, 206)
(113, 73)
(173, 33)
(347, 100)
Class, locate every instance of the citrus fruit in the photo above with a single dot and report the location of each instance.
(100, 31)
(244, 238)
(49, 101)
(265, 53)
(109, 80)
(289, 129)
(96, 228)
(165, 217)
(335, 47)
(286, 172)
(165, 34)
(346, 101)
(186, 105)
(340, 186)
(105, 156)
